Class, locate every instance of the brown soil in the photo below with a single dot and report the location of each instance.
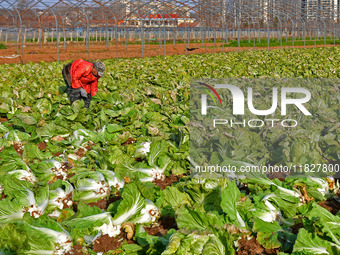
(3, 196)
(252, 247)
(66, 165)
(277, 175)
(42, 146)
(99, 51)
(88, 147)
(55, 178)
(156, 230)
(81, 152)
(163, 226)
(114, 199)
(102, 204)
(76, 250)
(295, 228)
(168, 222)
(106, 243)
(130, 140)
(167, 182)
(66, 199)
(245, 188)
(331, 205)
(18, 148)
(75, 207)
(140, 159)
(3, 120)
(69, 175)
(57, 154)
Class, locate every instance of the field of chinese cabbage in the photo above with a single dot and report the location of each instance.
(115, 179)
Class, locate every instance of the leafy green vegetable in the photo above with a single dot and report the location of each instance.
(74, 176)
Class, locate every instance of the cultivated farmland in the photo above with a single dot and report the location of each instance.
(115, 179)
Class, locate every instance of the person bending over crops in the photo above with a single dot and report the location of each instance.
(81, 78)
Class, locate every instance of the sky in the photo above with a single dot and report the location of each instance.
(7, 3)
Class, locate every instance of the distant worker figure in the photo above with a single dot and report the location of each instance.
(81, 78)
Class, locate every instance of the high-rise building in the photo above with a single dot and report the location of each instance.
(213, 11)
(320, 9)
(268, 10)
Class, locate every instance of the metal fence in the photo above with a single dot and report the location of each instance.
(112, 24)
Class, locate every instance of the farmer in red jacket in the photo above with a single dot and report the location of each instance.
(81, 78)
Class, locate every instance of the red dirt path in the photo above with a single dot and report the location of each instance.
(99, 51)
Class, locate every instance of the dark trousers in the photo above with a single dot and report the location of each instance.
(74, 94)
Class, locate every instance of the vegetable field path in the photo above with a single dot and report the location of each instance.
(49, 52)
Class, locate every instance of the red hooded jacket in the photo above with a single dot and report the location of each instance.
(81, 76)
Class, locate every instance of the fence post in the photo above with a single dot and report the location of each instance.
(17, 42)
(106, 35)
(25, 34)
(65, 39)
